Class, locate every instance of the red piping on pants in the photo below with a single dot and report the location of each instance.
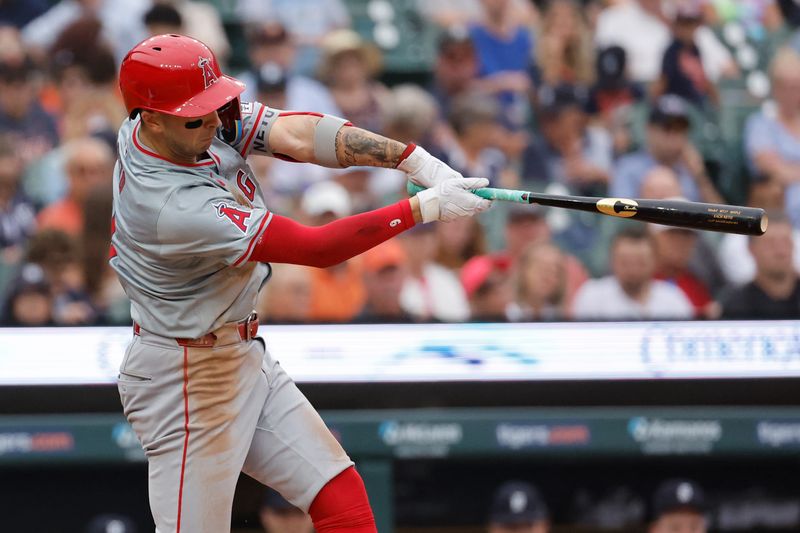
(185, 429)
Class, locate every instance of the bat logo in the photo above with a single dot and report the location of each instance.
(209, 76)
(617, 207)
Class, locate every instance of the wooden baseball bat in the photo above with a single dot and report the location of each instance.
(680, 213)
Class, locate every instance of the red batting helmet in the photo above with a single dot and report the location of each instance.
(176, 75)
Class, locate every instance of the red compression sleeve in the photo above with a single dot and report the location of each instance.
(287, 241)
(342, 506)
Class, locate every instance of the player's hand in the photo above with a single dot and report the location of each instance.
(425, 170)
(452, 199)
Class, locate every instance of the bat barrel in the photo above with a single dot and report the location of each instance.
(692, 215)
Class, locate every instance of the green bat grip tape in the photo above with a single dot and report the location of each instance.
(489, 193)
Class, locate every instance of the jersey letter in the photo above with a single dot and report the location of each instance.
(246, 184)
(237, 216)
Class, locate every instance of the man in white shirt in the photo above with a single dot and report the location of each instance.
(642, 29)
(631, 292)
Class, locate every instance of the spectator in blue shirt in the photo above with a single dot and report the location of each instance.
(504, 49)
(772, 140)
(668, 145)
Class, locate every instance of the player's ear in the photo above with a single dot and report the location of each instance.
(154, 121)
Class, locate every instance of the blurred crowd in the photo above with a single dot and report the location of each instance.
(688, 99)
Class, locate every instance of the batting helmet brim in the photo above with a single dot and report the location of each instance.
(225, 89)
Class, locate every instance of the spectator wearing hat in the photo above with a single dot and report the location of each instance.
(337, 292)
(667, 144)
(631, 292)
(279, 516)
(487, 284)
(612, 96)
(29, 301)
(682, 70)
(348, 67)
(569, 151)
(517, 507)
(384, 272)
(111, 523)
(679, 506)
(431, 292)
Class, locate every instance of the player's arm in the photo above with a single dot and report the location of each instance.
(287, 241)
(333, 142)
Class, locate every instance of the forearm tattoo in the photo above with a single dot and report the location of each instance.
(355, 146)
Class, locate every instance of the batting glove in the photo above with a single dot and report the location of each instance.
(452, 199)
(425, 170)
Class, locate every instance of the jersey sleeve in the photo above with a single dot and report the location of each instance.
(253, 134)
(209, 222)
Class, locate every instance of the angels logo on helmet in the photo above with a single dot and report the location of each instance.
(209, 76)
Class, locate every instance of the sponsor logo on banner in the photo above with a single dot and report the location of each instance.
(779, 434)
(675, 436)
(24, 442)
(420, 439)
(687, 349)
(517, 436)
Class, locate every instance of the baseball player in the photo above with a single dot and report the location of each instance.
(191, 245)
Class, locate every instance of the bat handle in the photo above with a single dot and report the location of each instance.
(490, 193)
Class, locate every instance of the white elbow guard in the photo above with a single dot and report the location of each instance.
(325, 140)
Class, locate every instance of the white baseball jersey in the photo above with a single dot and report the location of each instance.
(183, 237)
(183, 234)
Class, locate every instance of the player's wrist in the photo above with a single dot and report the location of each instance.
(429, 205)
(413, 159)
(416, 210)
(409, 149)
